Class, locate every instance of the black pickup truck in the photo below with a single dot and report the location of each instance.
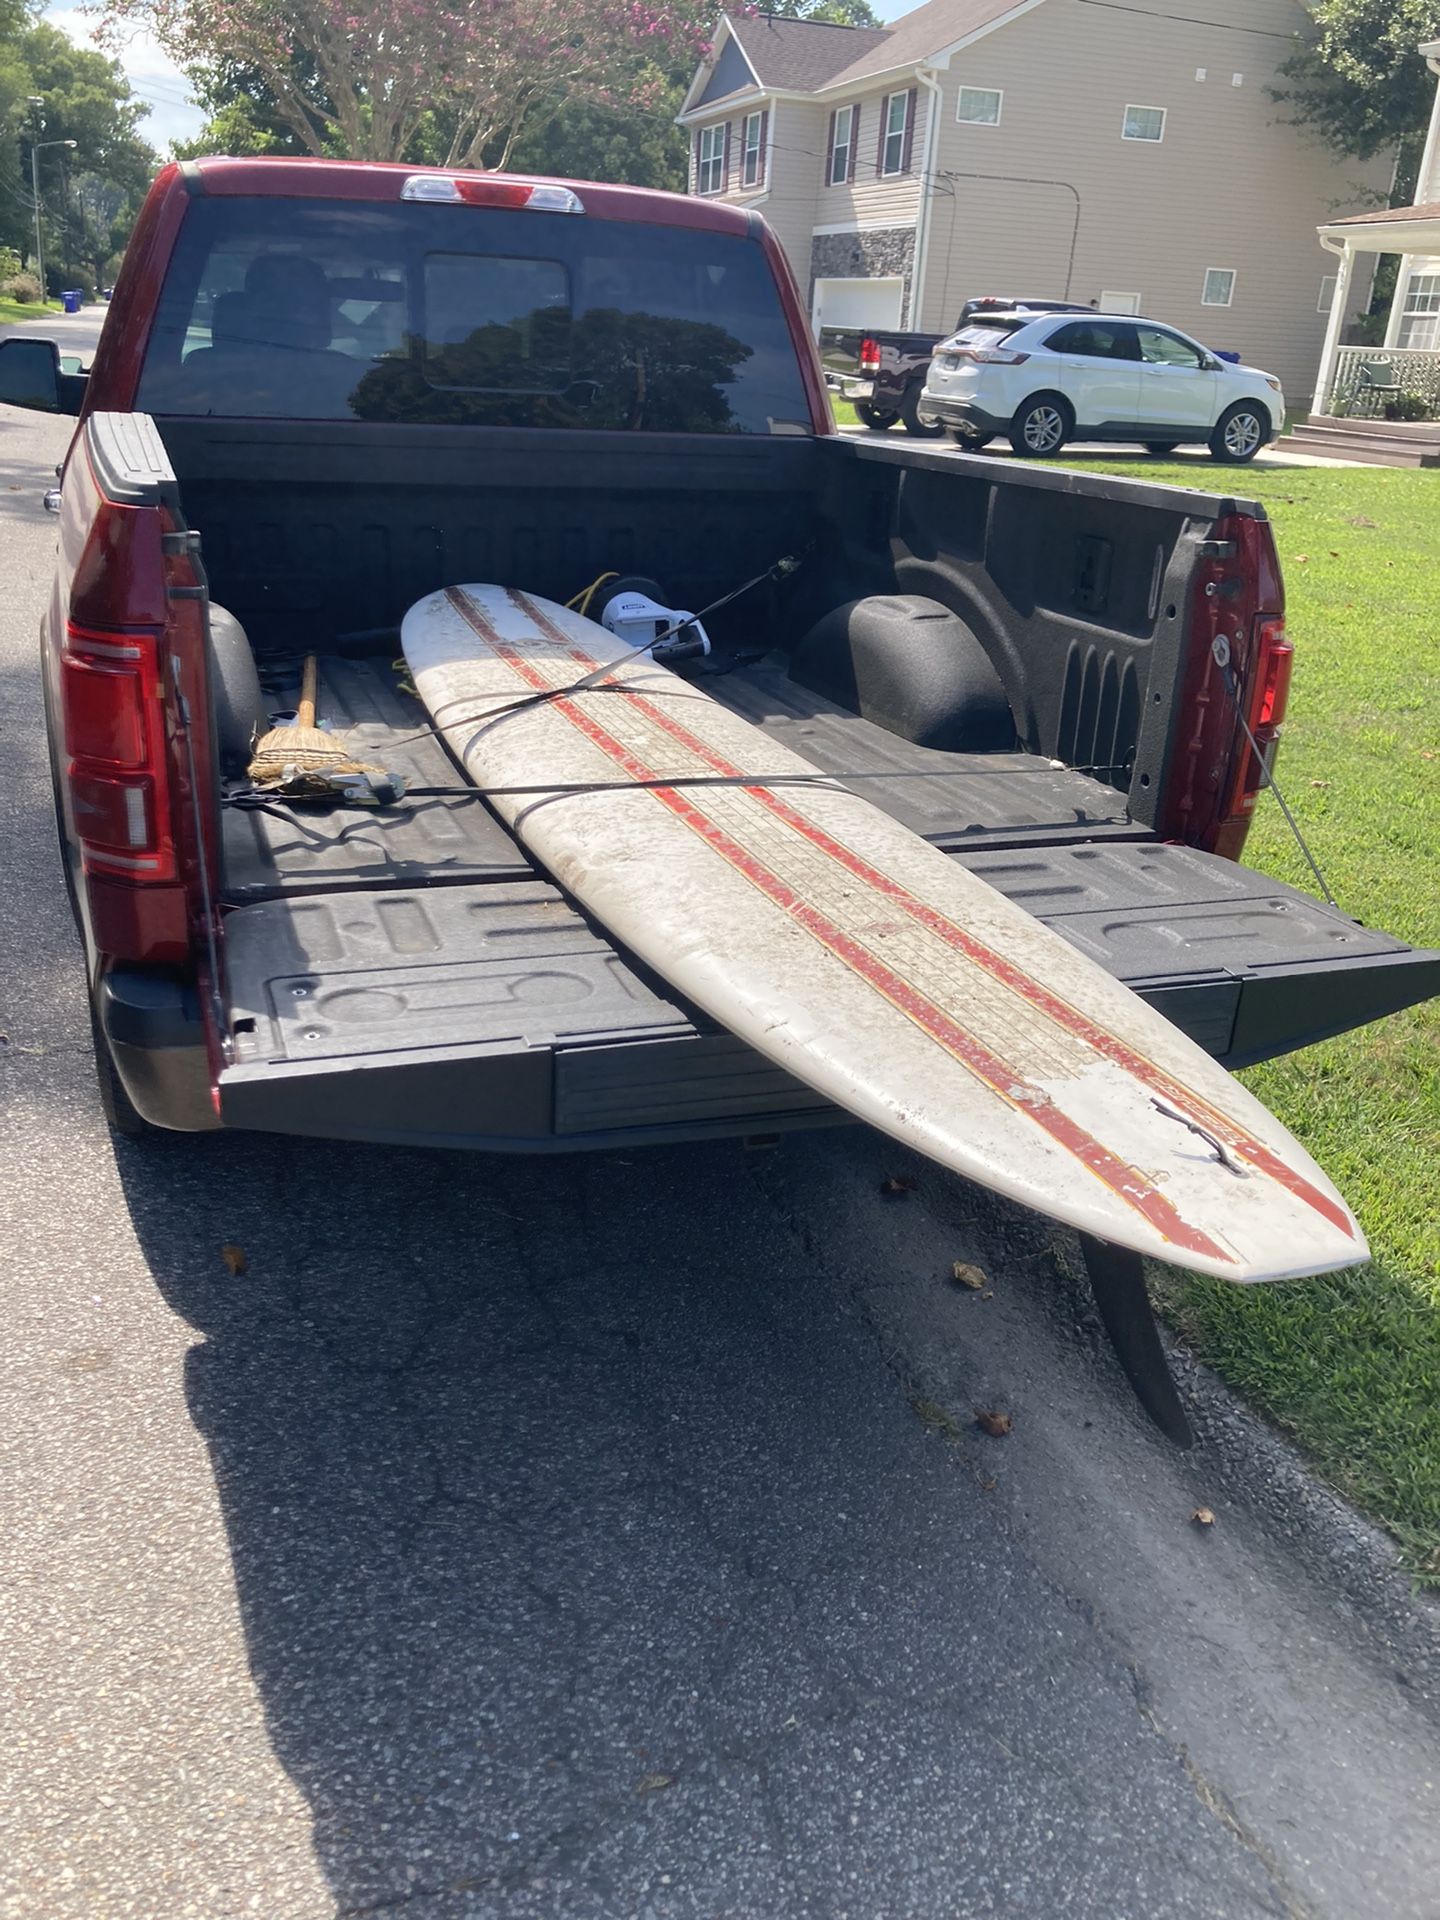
(881, 373)
(327, 389)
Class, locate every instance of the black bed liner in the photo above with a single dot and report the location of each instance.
(425, 944)
(990, 799)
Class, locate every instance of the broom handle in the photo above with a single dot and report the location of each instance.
(305, 712)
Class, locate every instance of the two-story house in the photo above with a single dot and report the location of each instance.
(1127, 154)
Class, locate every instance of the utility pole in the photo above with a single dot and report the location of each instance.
(35, 147)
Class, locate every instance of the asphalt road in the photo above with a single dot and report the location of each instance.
(609, 1538)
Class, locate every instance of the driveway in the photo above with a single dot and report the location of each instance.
(609, 1538)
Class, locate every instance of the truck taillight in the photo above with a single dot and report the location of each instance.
(869, 355)
(1272, 660)
(113, 714)
(1277, 657)
(1236, 649)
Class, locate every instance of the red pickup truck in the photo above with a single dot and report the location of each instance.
(325, 389)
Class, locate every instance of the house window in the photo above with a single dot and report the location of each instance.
(1143, 123)
(1219, 288)
(752, 150)
(1120, 303)
(892, 141)
(710, 161)
(1420, 318)
(1327, 294)
(842, 145)
(979, 106)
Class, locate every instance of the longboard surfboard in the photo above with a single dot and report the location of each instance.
(861, 959)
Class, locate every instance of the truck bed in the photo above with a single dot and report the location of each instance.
(423, 937)
(958, 800)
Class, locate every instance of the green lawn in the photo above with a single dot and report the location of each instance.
(1351, 1363)
(12, 310)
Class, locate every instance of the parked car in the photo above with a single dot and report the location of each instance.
(278, 484)
(1096, 377)
(881, 373)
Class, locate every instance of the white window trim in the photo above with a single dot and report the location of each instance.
(999, 93)
(841, 146)
(1415, 318)
(716, 159)
(1327, 293)
(757, 120)
(1110, 302)
(1205, 301)
(887, 172)
(1133, 106)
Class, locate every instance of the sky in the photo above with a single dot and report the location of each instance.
(166, 93)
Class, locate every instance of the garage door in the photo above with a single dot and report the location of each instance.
(858, 303)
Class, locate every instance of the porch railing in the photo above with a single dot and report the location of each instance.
(1414, 370)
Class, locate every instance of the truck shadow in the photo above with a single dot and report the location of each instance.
(568, 1512)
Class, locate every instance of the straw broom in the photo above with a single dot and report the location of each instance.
(287, 755)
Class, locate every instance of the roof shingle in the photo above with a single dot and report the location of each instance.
(800, 56)
(1428, 210)
(805, 56)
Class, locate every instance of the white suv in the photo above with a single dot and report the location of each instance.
(1097, 376)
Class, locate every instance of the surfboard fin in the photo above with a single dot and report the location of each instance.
(1117, 1279)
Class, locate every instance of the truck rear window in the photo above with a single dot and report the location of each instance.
(461, 315)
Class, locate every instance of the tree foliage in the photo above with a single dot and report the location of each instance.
(88, 193)
(1360, 84)
(840, 13)
(605, 112)
(370, 79)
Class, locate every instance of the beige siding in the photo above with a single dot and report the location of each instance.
(796, 162)
(793, 166)
(1230, 185)
(871, 199)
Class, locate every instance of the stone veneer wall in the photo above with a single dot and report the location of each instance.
(878, 254)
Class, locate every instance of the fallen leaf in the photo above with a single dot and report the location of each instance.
(654, 1782)
(1334, 553)
(965, 1275)
(1202, 1517)
(898, 1185)
(234, 1257)
(987, 1295)
(997, 1425)
(1323, 785)
(987, 1485)
(1302, 559)
(1362, 520)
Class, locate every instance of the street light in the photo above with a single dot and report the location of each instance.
(36, 148)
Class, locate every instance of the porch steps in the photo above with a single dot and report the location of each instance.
(1371, 443)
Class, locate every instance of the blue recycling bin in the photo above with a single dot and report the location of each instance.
(71, 300)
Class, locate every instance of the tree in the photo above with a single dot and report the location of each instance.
(87, 193)
(1361, 86)
(618, 125)
(839, 13)
(365, 78)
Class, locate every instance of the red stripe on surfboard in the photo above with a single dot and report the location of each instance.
(1065, 1016)
(1123, 1180)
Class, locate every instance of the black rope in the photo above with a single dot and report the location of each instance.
(1221, 652)
(266, 801)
